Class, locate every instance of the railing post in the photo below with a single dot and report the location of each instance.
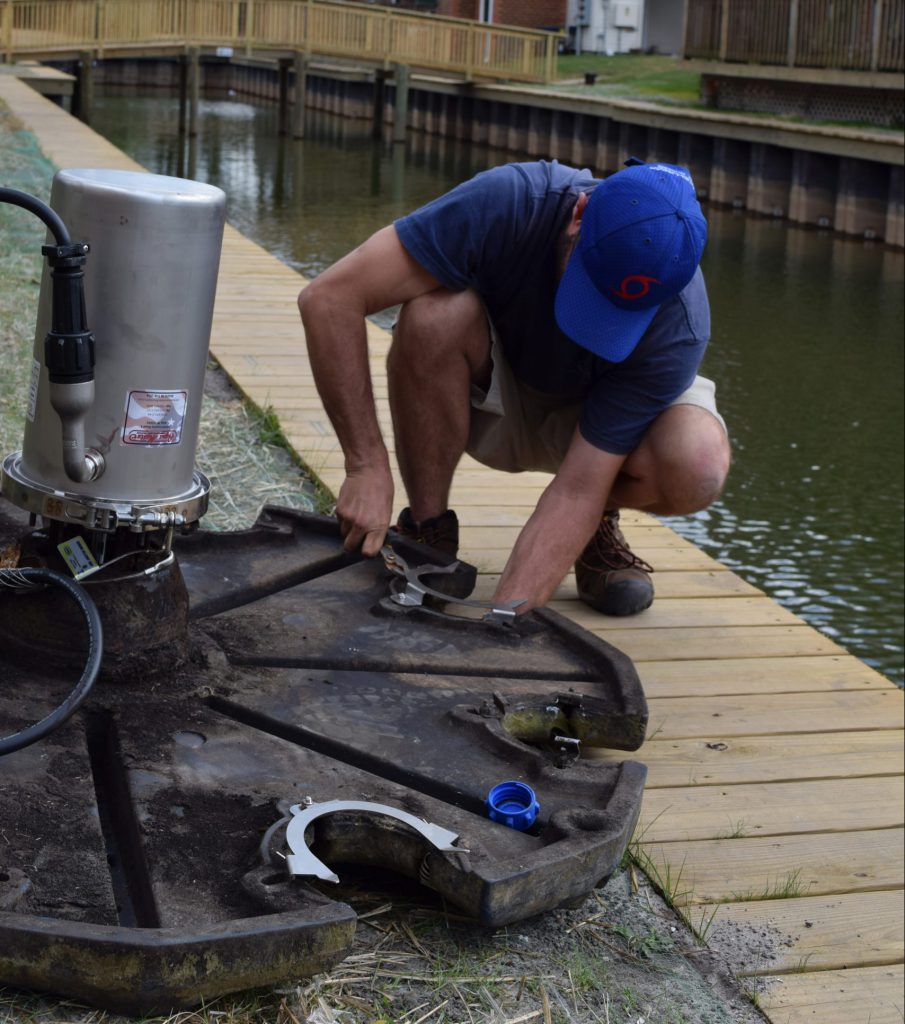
(100, 27)
(249, 24)
(875, 35)
(8, 31)
(550, 58)
(387, 35)
(236, 27)
(724, 29)
(470, 49)
(792, 49)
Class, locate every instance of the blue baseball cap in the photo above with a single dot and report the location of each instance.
(642, 236)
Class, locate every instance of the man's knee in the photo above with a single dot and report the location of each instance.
(701, 467)
(691, 457)
(439, 318)
(439, 325)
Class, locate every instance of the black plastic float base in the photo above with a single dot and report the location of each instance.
(133, 875)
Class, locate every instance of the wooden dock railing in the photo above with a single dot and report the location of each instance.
(853, 35)
(44, 28)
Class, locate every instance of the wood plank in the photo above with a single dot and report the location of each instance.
(704, 582)
(503, 529)
(476, 475)
(696, 612)
(753, 714)
(716, 761)
(495, 534)
(719, 870)
(771, 809)
(491, 558)
(693, 644)
(255, 372)
(865, 995)
(816, 933)
(758, 675)
(692, 612)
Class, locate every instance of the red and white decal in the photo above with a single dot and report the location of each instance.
(154, 417)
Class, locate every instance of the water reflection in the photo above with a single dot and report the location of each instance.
(807, 349)
(807, 352)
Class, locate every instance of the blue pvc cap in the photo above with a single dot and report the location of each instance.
(513, 804)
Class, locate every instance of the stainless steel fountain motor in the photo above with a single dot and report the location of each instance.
(125, 456)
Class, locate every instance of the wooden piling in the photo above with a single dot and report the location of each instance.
(401, 110)
(300, 66)
(194, 88)
(84, 94)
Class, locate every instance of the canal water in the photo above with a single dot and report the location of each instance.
(807, 347)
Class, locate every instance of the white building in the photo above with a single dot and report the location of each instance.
(625, 26)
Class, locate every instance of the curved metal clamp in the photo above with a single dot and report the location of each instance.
(302, 862)
(416, 590)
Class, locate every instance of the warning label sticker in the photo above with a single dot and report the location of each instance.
(78, 557)
(33, 390)
(154, 417)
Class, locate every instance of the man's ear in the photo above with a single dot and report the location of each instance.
(578, 210)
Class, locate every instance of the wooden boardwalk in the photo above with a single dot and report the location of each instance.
(775, 757)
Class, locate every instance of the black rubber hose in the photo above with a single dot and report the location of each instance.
(39, 209)
(35, 578)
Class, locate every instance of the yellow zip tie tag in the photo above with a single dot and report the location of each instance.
(78, 557)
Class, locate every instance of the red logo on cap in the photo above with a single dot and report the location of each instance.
(630, 290)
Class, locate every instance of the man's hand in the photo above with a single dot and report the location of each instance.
(364, 508)
(564, 521)
(378, 274)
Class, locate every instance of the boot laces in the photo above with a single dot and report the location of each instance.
(441, 532)
(609, 549)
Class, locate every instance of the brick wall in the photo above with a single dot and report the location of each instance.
(526, 13)
(530, 13)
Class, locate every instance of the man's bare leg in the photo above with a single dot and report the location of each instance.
(679, 467)
(441, 346)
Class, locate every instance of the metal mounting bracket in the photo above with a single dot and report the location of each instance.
(301, 862)
(415, 590)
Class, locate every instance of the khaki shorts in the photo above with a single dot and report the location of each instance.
(517, 428)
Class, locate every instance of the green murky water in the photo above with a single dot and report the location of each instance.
(807, 349)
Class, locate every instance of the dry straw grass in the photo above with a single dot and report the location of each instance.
(411, 965)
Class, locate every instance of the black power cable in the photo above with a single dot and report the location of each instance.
(35, 578)
(40, 209)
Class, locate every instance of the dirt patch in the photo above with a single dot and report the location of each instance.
(620, 957)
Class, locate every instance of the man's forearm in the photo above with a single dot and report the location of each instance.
(564, 521)
(546, 549)
(338, 351)
(376, 275)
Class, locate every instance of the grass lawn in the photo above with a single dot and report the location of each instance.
(640, 76)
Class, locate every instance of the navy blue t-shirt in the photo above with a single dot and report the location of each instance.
(498, 234)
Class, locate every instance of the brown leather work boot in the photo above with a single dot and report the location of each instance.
(611, 578)
(440, 533)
